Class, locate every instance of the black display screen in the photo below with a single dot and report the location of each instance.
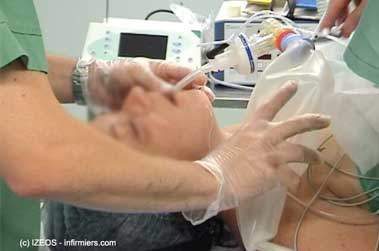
(141, 45)
(265, 57)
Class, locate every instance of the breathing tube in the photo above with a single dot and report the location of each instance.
(241, 52)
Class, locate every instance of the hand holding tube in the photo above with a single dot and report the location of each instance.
(255, 159)
(110, 81)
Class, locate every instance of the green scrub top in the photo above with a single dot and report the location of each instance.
(362, 54)
(20, 38)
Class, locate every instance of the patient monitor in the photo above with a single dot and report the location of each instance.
(129, 38)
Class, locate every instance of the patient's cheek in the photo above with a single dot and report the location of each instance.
(172, 138)
(117, 125)
(105, 123)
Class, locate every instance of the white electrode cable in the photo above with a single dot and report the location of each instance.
(297, 231)
(308, 207)
(333, 217)
(261, 15)
(343, 201)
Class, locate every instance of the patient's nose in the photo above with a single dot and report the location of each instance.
(137, 103)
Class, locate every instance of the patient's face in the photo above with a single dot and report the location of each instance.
(183, 127)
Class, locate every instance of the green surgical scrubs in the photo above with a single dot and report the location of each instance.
(372, 186)
(362, 54)
(20, 38)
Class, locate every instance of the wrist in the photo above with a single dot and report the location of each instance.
(209, 184)
(79, 79)
(212, 192)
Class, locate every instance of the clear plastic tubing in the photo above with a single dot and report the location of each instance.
(243, 52)
(191, 77)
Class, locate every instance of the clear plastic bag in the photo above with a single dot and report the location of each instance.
(327, 86)
(353, 103)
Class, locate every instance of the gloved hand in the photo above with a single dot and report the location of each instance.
(338, 13)
(110, 81)
(255, 158)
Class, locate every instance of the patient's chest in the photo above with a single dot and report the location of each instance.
(318, 234)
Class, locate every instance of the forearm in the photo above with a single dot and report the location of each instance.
(119, 179)
(60, 71)
(47, 154)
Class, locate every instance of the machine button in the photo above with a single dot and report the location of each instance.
(177, 59)
(177, 44)
(190, 60)
(177, 51)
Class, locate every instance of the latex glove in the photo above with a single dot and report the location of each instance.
(338, 14)
(110, 81)
(255, 158)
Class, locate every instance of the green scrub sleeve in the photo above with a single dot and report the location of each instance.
(27, 47)
(362, 53)
(20, 38)
(371, 186)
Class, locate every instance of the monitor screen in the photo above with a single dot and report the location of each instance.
(142, 45)
(265, 57)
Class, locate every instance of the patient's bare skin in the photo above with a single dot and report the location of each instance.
(322, 234)
(182, 127)
(316, 233)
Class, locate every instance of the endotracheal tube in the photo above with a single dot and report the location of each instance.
(241, 52)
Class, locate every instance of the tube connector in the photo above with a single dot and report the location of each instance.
(239, 55)
(288, 38)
